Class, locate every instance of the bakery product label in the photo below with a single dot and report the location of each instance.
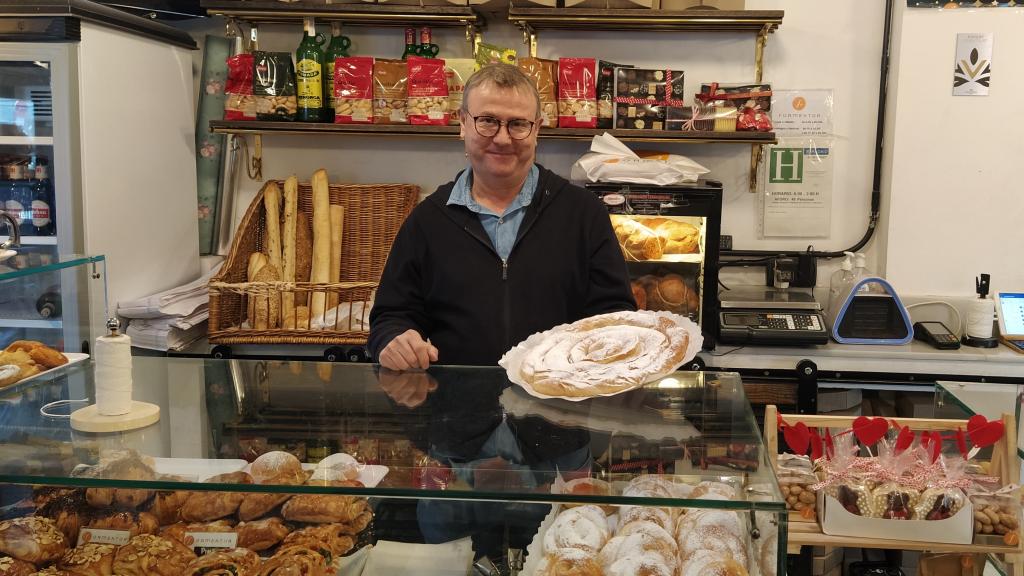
(211, 539)
(100, 536)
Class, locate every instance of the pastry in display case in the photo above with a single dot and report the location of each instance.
(669, 236)
(454, 462)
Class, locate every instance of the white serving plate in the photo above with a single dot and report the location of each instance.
(197, 469)
(369, 474)
(73, 358)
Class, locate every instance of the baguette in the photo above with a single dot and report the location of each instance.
(321, 272)
(257, 260)
(291, 210)
(269, 306)
(298, 318)
(337, 226)
(303, 256)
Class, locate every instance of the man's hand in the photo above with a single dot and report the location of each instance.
(408, 351)
(409, 389)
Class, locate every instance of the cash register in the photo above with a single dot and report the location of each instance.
(770, 317)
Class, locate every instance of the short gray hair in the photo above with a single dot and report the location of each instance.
(503, 76)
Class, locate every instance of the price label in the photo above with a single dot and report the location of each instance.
(584, 116)
(211, 539)
(98, 536)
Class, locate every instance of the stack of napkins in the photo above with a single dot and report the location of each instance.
(169, 320)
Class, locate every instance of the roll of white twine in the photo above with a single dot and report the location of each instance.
(113, 375)
(980, 317)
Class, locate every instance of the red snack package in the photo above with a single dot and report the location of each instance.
(353, 90)
(577, 93)
(239, 103)
(428, 91)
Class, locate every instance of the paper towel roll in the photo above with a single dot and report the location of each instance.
(980, 318)
(113, 375)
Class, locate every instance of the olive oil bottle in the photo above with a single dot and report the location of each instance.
(309, 75)
(337, 48)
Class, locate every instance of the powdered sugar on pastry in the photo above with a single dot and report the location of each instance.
(602, 354)
(584, 527)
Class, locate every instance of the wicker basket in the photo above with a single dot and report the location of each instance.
(373, 215)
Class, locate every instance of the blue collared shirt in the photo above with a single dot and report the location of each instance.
(502, 229)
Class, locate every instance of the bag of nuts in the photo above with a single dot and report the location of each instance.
(577, 93)
(428, 91)
(390, 91)
(796, 477)
(543, 74)
(273, 86)
(997, 512)
(239, 103)
(457, 71)
(353, 90)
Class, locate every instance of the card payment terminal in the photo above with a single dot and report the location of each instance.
(770, 317)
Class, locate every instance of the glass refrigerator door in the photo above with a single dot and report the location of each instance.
(36, 167)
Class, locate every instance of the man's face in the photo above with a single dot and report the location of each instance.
(499, 156)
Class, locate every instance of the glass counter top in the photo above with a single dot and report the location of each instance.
(448, 433)
(966, 399)
(9, 269)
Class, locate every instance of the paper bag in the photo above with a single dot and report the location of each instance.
(609, 160)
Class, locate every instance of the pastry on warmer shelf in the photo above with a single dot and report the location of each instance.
(231, 562)
(177, 531)
(89, 560)
(260, 535)
(134, 522)
(569, 562)
(325, 508)
(67, 508)
(638, 242)
(332, 536)
(32, 539)
(149, 555)
(669, 293)
(296, 560)
(603, 354)
(680, 237)
(14, 567)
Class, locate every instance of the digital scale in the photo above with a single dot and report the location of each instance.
(770, 317)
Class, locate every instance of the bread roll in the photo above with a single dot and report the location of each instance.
(639, 295)
(277, 468)
(321, 272)
(680, 237)
(291, 214)
(670, 293)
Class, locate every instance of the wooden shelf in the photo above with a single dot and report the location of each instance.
(406, 130)
(276, 12)
(809, 534)
(590, 19)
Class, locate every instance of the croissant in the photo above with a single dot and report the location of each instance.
(295, 561)
(208, 506)
(261, 534)
(32, 539)
(258, 505)
(67, 509)
(89, 560)
(134, 522)
(332, 536)
(324, 509)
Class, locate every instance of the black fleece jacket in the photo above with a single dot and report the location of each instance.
(444, 279)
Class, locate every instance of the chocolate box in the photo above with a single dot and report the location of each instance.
(643, 97)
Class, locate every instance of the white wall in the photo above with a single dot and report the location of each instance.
(138, 161)
(956, 208)
(821, 44)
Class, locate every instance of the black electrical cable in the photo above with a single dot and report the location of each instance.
(876, 194)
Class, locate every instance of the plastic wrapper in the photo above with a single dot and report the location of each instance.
(943, 498)
(492, 54)
(353, 90)
(543, 74)
(893, 499)
(609, 160)
(428, 91)
(273, 86)
(796, 477)
(577, 93)
(997, 512)
(748, 104)
(239, 103)
(643, 97)
(606, 92)
(390, 91)
(457, 71)
(844, 481)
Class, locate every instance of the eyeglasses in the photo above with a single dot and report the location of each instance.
(489, 126)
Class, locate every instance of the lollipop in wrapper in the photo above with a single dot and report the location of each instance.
(943, 498)
(893, 499)
(844, 482)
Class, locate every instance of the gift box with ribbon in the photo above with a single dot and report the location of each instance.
(749, 104)
(644, 97)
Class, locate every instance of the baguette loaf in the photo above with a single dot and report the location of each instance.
(303, 255)
(291, 214)
(337, 227)
(321, 272)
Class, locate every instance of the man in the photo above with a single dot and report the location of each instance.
(506, 250)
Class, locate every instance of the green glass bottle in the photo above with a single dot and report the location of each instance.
(410, 43)
(337, 48)
(309, 75)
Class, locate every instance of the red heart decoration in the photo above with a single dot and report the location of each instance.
(932, 443)
(797, 437)
(816, 445)
(961, 442)
(830, 445)
(870, 430)
(984, 433)
(904, 439)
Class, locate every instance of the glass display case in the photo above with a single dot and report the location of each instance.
(51, 298)
(961, 400)
(669, 236)
(460, 471)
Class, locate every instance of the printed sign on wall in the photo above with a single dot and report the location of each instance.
(973, 67)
